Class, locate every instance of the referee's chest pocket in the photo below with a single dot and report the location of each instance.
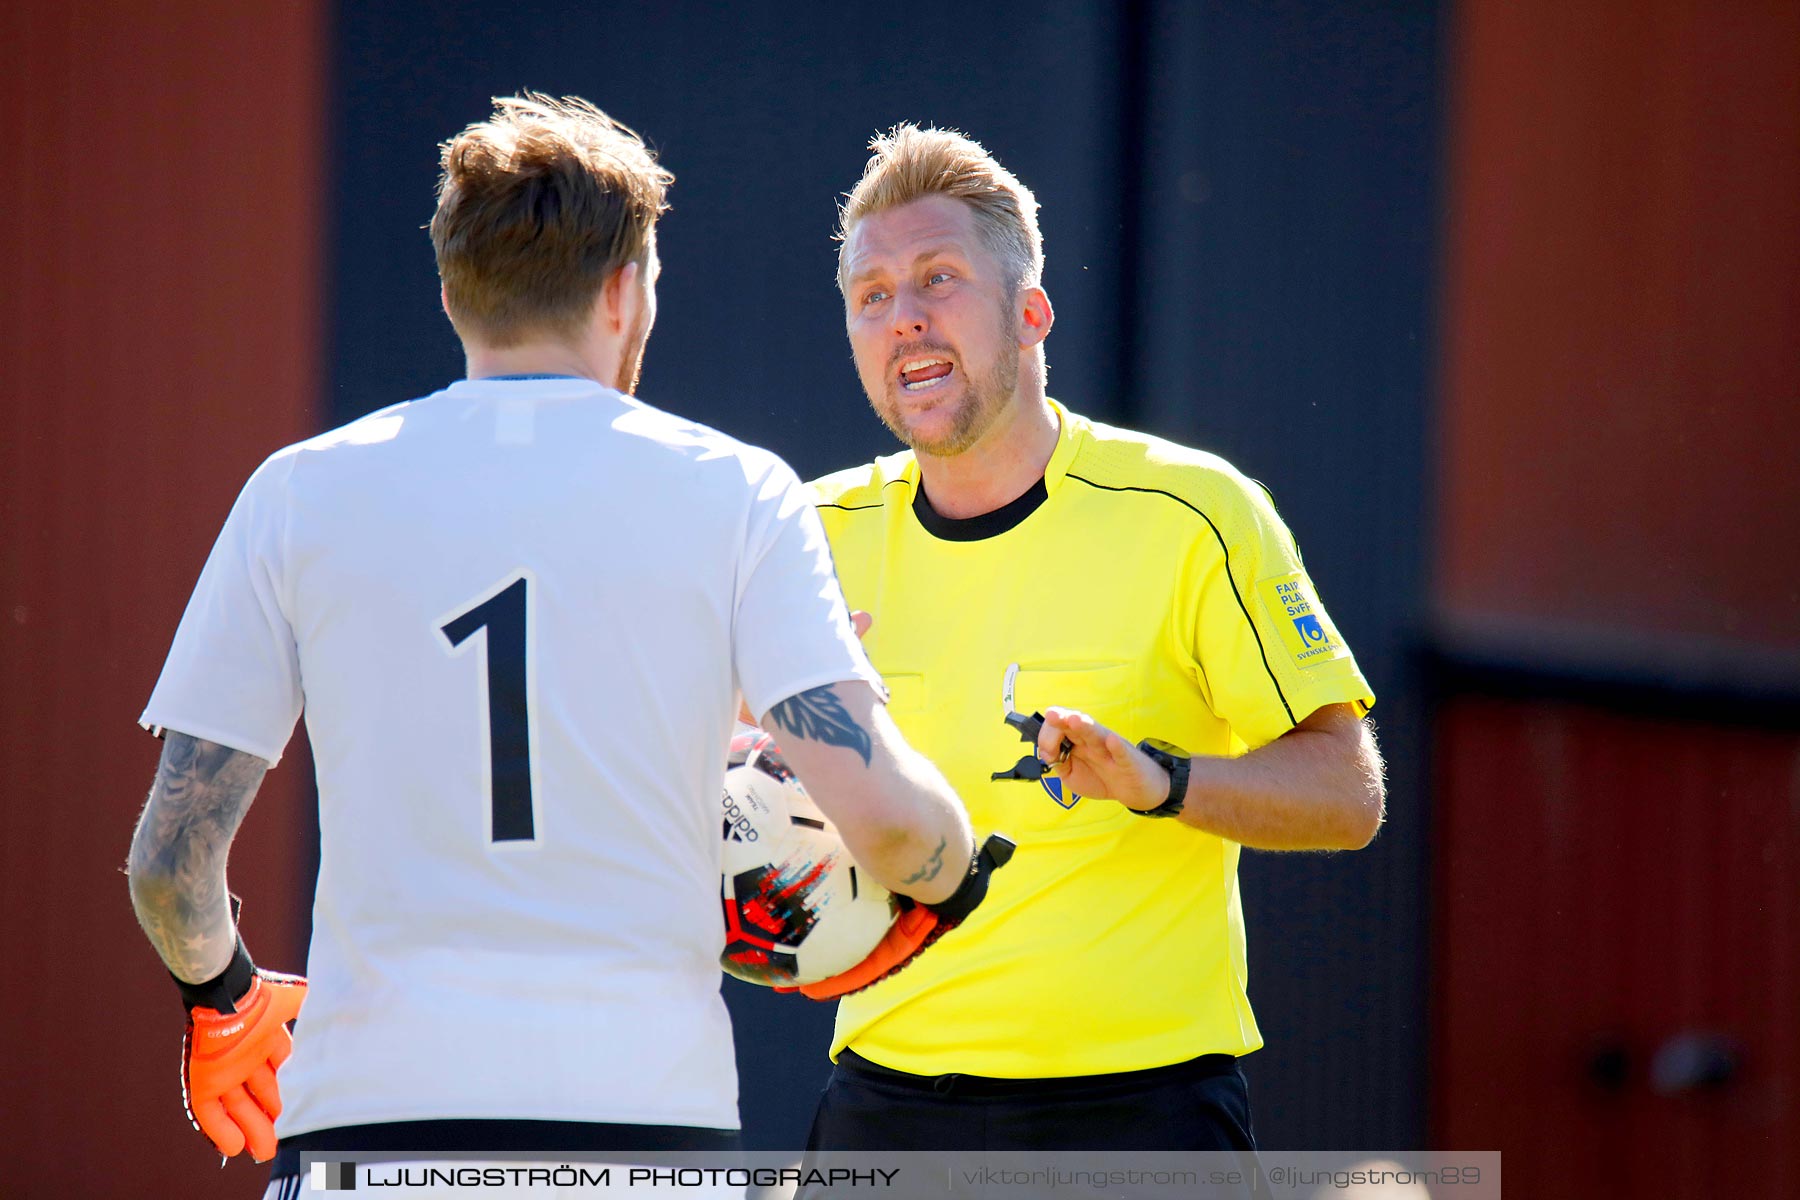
(1104, 691)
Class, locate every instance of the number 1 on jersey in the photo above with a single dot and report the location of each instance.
(505, 615)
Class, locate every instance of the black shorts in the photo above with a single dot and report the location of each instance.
(1203, 1104)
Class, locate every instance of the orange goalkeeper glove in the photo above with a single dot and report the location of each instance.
(237, 1037)
(917, 927)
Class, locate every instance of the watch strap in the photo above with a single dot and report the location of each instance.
(1179, 765)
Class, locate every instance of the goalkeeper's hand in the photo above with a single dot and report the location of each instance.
(237, 1038)
(917, 926)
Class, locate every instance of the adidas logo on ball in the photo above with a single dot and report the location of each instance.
(796, 910)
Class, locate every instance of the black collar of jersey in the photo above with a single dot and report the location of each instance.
(985, 525)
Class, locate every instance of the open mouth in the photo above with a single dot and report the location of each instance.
(923, 374)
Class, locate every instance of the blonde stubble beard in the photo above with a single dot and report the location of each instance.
(985, 398)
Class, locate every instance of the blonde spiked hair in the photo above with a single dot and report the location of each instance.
(908, 163)
(537, 207)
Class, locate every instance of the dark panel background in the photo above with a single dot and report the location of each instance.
(159, 336)
(1283, 320)
(1238, 227)
(763, 119)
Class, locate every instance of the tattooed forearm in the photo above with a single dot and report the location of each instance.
(819, 715)
(177, 863)
(932, 866)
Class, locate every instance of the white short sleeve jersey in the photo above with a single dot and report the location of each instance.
(517, 615)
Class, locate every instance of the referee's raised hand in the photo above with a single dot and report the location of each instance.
(1098, 762)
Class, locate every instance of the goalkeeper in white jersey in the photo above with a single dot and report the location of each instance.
(517, 615)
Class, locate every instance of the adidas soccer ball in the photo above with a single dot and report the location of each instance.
(797, 910)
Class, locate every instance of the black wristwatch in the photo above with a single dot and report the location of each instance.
(1177, 763)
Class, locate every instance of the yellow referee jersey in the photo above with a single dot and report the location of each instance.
(1154, 587)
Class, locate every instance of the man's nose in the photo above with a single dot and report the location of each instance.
(909, 315)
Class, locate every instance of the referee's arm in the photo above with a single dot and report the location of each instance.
(1319, 786)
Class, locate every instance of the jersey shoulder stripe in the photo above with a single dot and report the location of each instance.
(1125, 460)
(1235, 509)
(862, 486)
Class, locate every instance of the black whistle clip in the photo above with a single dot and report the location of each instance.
(1031, 767)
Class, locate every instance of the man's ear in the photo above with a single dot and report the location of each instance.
(1035, 318)
(444, 298)
(620, 298)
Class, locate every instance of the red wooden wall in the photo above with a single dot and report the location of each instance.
(1621, 380)
(159, 330)
(1618, 495)
(1607, 885)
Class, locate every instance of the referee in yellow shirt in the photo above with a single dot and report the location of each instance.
(1129, 589)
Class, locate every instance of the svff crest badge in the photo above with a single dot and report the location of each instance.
(1054, 786)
